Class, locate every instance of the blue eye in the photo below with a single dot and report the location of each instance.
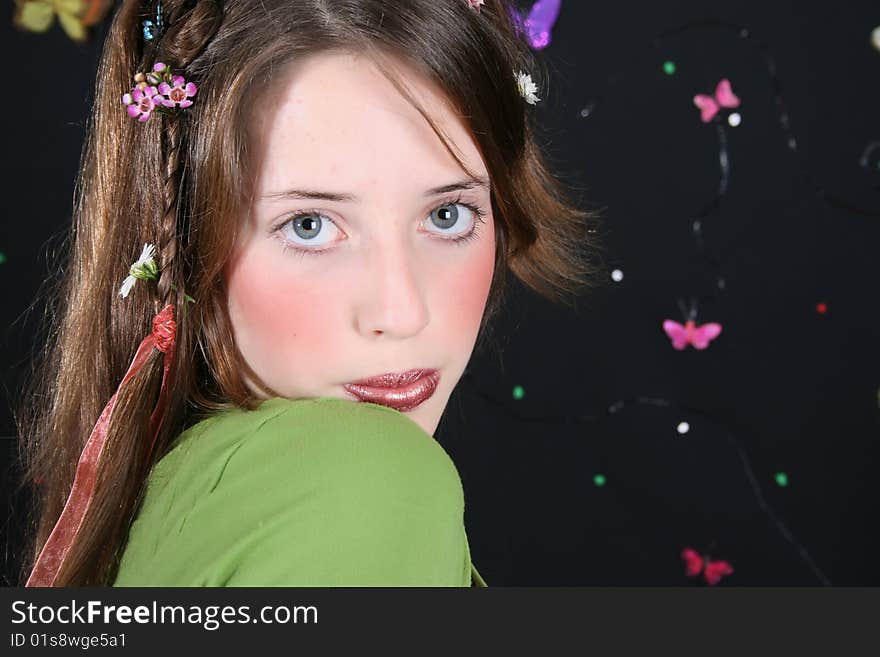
(448, 216)
(307, 225)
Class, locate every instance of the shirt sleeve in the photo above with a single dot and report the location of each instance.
(332, 494)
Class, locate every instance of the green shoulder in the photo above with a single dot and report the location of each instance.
(305, 492)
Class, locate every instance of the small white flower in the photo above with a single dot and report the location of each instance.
(127, 284)
(143, 268)
(527, 88)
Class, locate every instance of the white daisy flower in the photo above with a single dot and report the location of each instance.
(143, 268)
(527, 88)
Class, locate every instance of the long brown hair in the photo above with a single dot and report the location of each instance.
(179, 182)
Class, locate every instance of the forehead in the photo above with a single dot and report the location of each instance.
(335, 117)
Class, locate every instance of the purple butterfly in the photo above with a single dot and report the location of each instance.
(538, 23)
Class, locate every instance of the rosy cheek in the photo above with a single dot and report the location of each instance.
(469, 300)
(276, 318)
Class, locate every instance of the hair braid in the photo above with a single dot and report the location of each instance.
(191, 25)
(168, 242)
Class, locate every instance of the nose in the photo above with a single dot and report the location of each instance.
(394, 302)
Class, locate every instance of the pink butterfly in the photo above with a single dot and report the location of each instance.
(697, 336)
(712, 570)
(724, 97)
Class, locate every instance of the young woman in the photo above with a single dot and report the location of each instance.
(330, 203)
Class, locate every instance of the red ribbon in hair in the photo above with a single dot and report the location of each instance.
(58, 544)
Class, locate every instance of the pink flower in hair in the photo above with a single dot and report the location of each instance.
(158, 74)
(141, 101)
(158, 90)
(178, 93)
(475, 4)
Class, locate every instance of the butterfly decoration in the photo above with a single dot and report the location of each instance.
(73, 15)
(709, 106)
(152, 29)
(538, 23)
(712, 570)
(698, 337)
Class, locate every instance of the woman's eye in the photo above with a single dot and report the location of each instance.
(308, 229)
(454, 218)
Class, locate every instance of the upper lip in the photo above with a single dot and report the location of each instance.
(394, 379)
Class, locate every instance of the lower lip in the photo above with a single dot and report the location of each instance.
(402, 399)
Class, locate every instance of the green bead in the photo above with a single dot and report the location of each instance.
(669, 67)
(518, 392)
(782, 479)
(599, 480)
(2, 257)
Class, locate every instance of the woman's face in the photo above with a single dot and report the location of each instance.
(374, 282)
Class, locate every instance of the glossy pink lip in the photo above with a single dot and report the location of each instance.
(402, 391)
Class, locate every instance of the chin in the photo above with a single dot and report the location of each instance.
(428, 414)
(426, 418)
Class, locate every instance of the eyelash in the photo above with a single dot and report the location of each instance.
(287, 247)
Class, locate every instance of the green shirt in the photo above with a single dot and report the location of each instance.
(307, 492)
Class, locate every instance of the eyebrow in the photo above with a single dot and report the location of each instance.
(470, 183)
